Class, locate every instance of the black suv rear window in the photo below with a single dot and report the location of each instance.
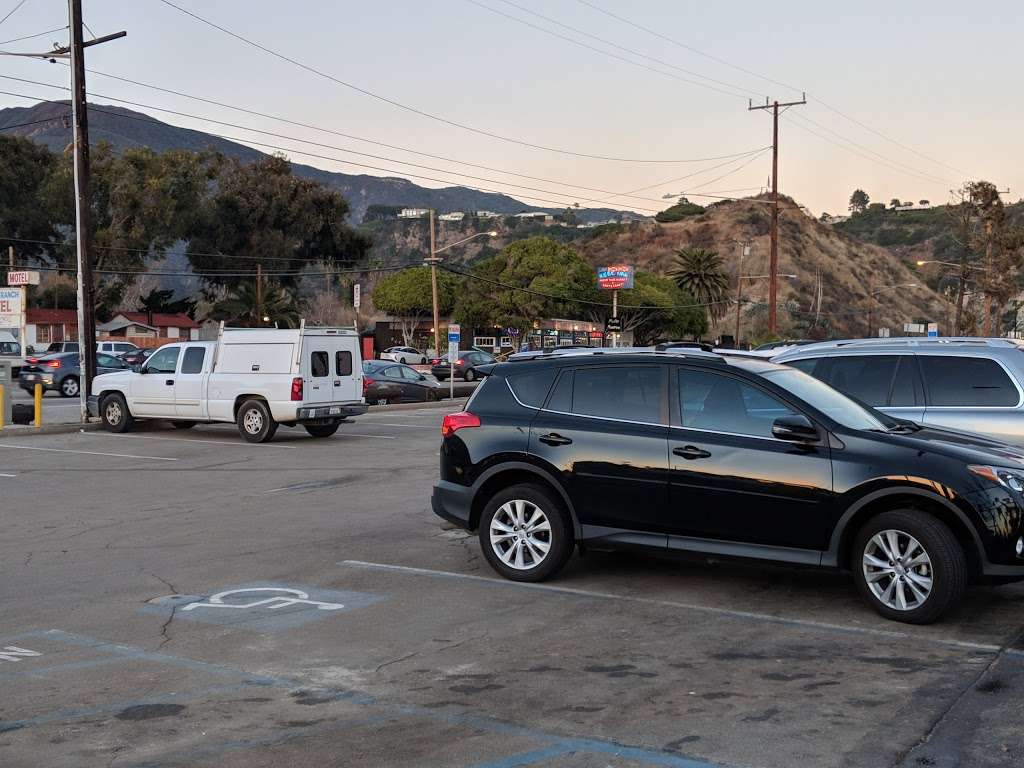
(967, 381)
(628, 393)
(531, 388)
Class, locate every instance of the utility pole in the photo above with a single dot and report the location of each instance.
(80, 132)
(259, 295)
(744, 251)
(773, 270)
(432, 261)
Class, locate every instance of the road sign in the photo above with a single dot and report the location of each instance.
(613, 325)
(913, 327)
(454, 334)
(933, 329)
(23, 278)
(12, 307)
(356, 295)
(615, 277)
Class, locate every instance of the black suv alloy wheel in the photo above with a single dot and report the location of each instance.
(524, 533)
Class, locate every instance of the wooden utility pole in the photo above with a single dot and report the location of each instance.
(259, 295)
(433, 290)
(80, 132)
(773, 267)
(744, 251)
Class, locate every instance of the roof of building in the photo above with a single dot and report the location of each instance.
(40, 315)
(159, 319)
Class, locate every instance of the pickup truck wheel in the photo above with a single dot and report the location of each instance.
(115, 415)
(183, 424)
(255, 423)
(69, 387)
(322, 430)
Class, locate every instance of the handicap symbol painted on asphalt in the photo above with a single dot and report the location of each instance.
(277, 601)
(262, 607)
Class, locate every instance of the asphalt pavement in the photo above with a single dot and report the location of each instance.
(188, 599)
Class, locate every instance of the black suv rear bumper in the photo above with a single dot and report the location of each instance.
(452, 502)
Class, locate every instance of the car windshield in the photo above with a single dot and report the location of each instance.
(831, 402)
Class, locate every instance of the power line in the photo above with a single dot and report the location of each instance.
(13, 11)
(337, 148)
(32, 37)
(606, 42)
(35, 122)
(739, 68)
(406, 107)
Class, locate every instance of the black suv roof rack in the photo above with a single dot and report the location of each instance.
(565, 352)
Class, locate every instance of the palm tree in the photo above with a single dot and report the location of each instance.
(279, 306)
(700, 273)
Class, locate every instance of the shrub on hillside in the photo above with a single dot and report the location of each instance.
(679, 211)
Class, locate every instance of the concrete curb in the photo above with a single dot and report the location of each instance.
(459, 401)
(21, 430)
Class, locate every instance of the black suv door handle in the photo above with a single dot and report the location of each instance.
(169, 382)
(692, 452)
(553, 438)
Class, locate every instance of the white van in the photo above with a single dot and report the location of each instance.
(258, 378)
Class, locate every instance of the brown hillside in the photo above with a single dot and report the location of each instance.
(806, 248)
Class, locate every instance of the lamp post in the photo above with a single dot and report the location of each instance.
(432, 261)
(873, 293)
(744, 251)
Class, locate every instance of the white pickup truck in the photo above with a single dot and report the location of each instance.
(258, 378)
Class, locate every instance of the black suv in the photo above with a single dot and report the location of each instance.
(726, 457)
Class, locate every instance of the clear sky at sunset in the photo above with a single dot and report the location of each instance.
(932, 86)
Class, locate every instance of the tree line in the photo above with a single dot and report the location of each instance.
(230, 217)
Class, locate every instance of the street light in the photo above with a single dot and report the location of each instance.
(433, 261)
(951, 264)
(872, 293)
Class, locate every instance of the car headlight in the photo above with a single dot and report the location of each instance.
(1004, 476)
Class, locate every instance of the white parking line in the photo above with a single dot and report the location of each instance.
(895, 634)
(4, 474)
(406, 426)
(378, 437)
(238, 443)
(87, 453)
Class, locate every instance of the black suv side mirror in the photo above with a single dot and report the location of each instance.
(795, 429)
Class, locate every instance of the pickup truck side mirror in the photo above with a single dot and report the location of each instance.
(139, 369)
(795, 429)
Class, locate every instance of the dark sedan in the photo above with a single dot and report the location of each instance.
(61, 373)
(136, 356)
(415, 386)
(465, 365)
(380, 391)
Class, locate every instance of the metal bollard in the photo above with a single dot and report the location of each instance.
(38, 396)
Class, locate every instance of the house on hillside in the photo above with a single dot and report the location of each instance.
(413, 213)
(453, 216)
(545, 218)
(150, 325)
(486, 214)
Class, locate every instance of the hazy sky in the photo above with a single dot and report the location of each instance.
(939, 77)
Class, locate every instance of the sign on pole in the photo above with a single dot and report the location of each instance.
(933, 329)
(615, 277)
(613, 325)
(356, 296)
(23, 278)
(12, 307)
(454, 335)
(913, 327)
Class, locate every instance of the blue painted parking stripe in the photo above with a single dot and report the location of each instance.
(524, 758)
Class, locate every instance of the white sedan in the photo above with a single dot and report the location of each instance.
(404, 355)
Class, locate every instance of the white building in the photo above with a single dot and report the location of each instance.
(413, 213)
(536, 215)
(486, 214)
(453, 216)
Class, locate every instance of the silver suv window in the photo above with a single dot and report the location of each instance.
(960, 381)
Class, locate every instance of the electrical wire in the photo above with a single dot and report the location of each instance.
(337, 148)
(34, 122)
(603, 52)
(13, 11)
(32, 37)
(760, 76)
(414, 110)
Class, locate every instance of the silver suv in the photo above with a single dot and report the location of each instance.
(968, 384)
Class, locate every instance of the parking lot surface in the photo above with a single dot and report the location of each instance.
(172, 598)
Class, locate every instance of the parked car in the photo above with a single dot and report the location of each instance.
(115, 348)
(465, 365)
(258, 378)
(138, 356)
(413, 385)
(404, 355)
(61, 372)
(380, 391)
(723, 456)
(10, 350)
(963, 383)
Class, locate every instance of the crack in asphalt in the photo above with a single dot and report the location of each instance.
(943, 716)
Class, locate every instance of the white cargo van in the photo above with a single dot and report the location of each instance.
(258, 378)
